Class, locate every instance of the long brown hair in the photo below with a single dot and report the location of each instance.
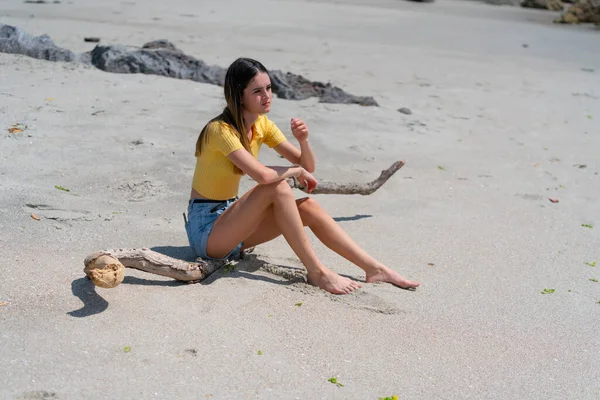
(239, 74)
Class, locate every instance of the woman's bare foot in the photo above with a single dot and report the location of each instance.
(385, 274)
(333, 283)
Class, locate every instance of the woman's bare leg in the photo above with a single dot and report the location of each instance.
(274, 201)
(334, 237)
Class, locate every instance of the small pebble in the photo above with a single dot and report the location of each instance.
(405, 110)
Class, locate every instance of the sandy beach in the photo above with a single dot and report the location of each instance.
(505, 115)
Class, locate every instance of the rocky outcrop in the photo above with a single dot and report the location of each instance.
(162, 57)
(581, 11)
(552, 5)
(295, 87)
(14, 40)
(503, 2)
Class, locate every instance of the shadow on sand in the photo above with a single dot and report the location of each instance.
(93, 303)
(354, 218)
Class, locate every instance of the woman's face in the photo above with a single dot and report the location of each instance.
(257, 95)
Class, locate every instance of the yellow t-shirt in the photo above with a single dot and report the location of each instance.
(215, 177)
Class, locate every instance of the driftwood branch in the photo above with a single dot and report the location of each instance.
(351, 187)
(106, 268)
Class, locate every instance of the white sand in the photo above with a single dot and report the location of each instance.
(507, 123)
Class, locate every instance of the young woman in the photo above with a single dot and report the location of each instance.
(219, 224)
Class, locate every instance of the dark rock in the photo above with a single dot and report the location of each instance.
(581, 11)
(16, 41)
(41, 2)
(160, 44)
(335, 95)
(159, 58)
(553, 5)
(503, 2)
(405, 110)
(91, 39)
(295, 87)
(567, 18)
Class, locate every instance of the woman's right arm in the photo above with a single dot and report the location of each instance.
(265, 175)
(259, 172)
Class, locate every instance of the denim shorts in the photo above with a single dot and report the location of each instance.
(200, 220)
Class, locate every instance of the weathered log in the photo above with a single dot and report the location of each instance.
(100, 265)
(105, 271)
(351, 187)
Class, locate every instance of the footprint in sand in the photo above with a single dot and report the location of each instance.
(363, 300)
(360, 300)
(58, 214)
(140, 191)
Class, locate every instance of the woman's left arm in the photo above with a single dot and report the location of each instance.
(305, 156)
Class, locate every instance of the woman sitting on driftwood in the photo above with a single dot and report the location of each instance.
(220, 224)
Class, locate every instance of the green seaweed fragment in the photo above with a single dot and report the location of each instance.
(228, 268)
(61, 188)
(335, 382)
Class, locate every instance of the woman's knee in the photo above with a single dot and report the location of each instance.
(281, 189)
(272, 192)
(310, 210)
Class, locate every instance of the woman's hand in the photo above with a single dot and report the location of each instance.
(299, 129)
(307, 180)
